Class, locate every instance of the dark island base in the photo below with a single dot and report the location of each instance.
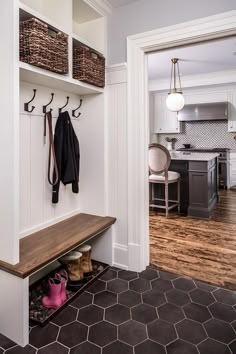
(38, 314)
(198, 187)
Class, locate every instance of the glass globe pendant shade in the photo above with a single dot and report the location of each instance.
(175, 101)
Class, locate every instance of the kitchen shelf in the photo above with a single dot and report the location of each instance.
(35, 75)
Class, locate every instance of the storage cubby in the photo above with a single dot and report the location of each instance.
(88, 26)
(56, 12)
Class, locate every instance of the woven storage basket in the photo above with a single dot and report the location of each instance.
(43, 47)
(88, 66)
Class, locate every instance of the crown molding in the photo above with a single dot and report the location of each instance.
(208, 79)
(101, 6)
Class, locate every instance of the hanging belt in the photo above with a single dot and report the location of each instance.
(51, 152)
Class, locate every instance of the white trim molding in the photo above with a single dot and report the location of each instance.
(120, 256)
(203, 29)
(116, 74)
(101, 6)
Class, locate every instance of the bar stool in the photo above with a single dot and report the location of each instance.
(159, 162)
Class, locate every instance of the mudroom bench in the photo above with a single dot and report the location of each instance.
(37, 252)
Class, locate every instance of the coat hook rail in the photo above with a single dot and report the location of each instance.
(67, 101)
(26, 105)
(74, 110)
(45, 107)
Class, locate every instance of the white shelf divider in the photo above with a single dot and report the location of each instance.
(33, 74)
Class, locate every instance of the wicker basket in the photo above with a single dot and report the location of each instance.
(43, 47)
(88, 66)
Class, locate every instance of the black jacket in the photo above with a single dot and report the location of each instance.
(67, 153)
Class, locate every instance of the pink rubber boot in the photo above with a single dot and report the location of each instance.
(53, 299)
(63, 277)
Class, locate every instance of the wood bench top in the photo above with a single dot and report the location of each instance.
(45, 246)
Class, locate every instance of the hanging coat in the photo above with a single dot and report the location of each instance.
(67, 153)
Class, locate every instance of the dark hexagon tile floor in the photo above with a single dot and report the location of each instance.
(154, 312)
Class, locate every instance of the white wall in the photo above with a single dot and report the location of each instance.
(146, 15)
(36, 208)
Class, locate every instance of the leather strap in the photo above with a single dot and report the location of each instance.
(51, 152)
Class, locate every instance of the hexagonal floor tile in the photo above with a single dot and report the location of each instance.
(167, 275)
(90, 315)
(162, 284)
(202, 297)
(132, 332)
(226, 296)
(178, 297)
(220, 331)
(129, 298)
(154, 297)
(102, 333)
(149, 347)
(127, 275)
(233, 324)
(140, 285)
(5, 342)
(117, 286)
(109, 275)
(105, 299)
(233, 347)
(184, 284)
(73, 334)
(181, 347)
(54, 348)
(210, 346)
(162, 332)
(67, 315)
(86, 348)
(117, 314)
(144, 313)
(170, 313)
(41, 336)
(26, 350)
(223, 312)
(83, 300)
(117, 347)
(149, 274)
(96, 287)
(197, 312)
(205, 286)
(191, 331)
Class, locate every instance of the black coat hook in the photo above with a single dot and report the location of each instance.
(74, 110)
(46, 105)
(60, 109)
(26, 105)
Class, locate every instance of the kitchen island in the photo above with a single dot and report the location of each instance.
(199, 182)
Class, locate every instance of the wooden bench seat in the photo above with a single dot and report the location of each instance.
(47, 245)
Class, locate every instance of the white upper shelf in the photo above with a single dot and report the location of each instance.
(33, 74)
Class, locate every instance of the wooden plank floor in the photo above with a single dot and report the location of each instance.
(204, 250)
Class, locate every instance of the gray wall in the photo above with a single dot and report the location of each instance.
(145, 15)
(210, 134)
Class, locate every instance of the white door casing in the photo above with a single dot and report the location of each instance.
(203, 29)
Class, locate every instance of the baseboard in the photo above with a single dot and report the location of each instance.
(120, 256)
(135, 263)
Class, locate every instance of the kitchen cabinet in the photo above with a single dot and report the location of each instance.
(232, 111)
(233, 169)
(165, 121)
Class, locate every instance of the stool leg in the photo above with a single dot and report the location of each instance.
(167, 198)
(178, 196)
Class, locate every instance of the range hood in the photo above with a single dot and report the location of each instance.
(204, 111)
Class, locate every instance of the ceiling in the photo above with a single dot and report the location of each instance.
(118, 3)
(196, 59)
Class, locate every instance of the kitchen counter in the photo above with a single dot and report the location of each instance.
(193, 156)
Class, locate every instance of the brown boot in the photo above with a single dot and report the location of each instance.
(73, 264)
(86, 259)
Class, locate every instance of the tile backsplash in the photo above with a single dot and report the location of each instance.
(209, 134)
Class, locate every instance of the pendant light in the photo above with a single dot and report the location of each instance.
(175, 99)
